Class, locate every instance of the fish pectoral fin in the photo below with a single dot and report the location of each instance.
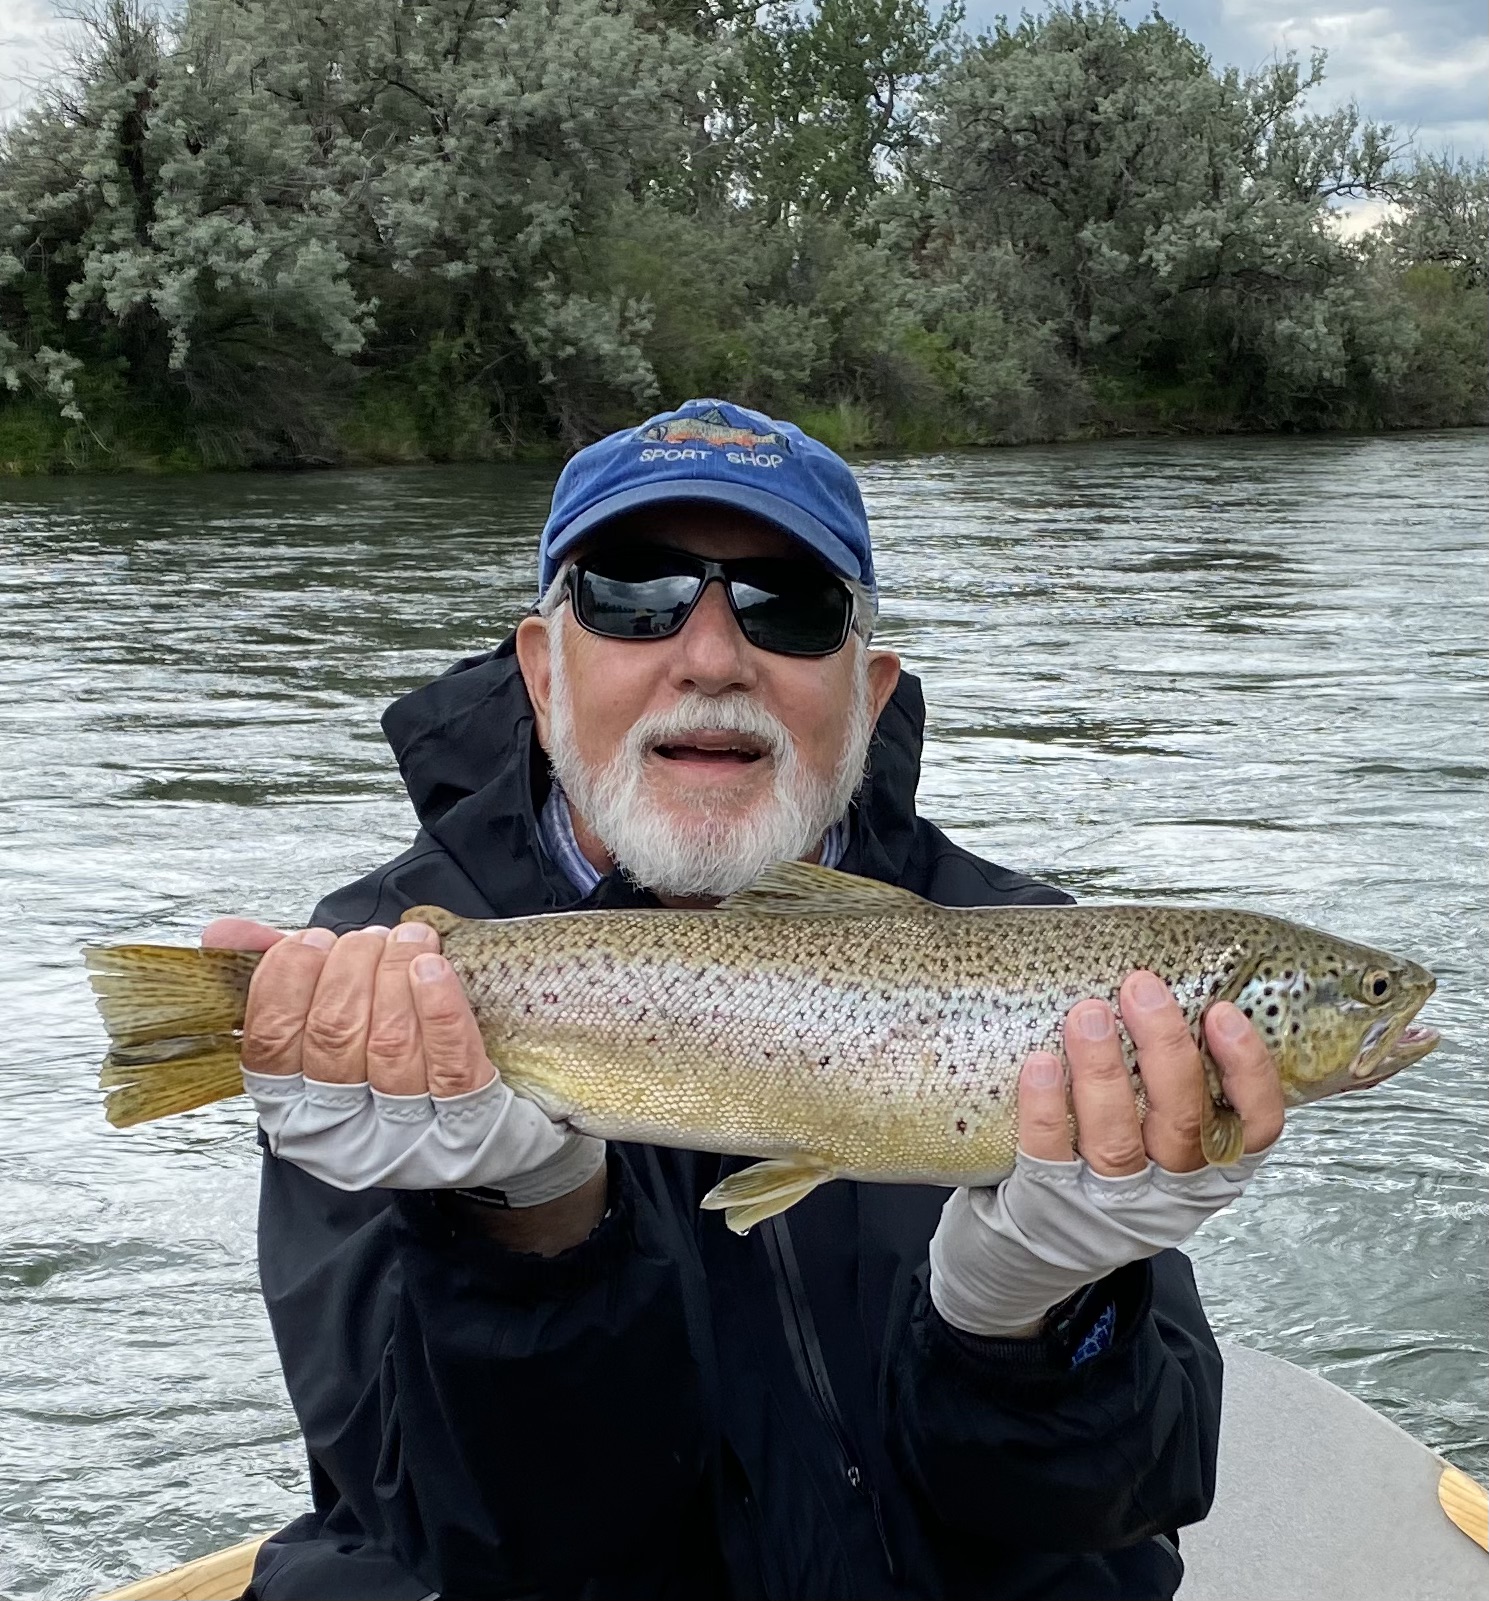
(1222, 1134)
(801, 888)
(758, 1192)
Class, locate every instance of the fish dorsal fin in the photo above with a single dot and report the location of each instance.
(803, 888)
(442, 922)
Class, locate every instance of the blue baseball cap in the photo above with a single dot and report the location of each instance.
(713, 451)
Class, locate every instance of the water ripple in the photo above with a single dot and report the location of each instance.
(1238, 672)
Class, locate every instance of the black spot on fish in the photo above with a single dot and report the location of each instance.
(961, 1125)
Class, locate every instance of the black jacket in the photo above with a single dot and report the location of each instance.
(668, 1410)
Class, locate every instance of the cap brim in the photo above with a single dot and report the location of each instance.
(789, 518)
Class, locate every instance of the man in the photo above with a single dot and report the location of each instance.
(534, 1367)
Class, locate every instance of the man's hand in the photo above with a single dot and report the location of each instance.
(1111, 1139)
(1001, 1258)
(376, 1007)
(366, 1063)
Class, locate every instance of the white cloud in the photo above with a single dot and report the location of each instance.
(1420, 64)
(1360, 216)
(31, 48)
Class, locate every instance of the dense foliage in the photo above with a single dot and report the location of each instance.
(260, 231)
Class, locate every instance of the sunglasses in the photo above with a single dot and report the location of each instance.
(790, 606)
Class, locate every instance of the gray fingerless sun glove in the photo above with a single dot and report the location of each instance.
(357, 1138)
(1001, 1258)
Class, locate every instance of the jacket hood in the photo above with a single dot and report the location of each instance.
(477, 777)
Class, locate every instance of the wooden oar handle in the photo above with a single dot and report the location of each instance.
(1466, 1502)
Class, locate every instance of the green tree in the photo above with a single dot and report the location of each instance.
(288, 230)
(271, 172)
(1443, 216)
(824, 104)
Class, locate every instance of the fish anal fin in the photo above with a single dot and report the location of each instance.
(802, 888)
(758, 1192)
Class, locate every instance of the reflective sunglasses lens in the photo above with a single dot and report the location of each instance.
(791, 608)
(634, 601)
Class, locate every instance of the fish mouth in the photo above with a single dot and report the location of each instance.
(1382, 1055)
(1411, 1045)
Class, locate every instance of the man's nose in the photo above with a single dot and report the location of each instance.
(710, 654)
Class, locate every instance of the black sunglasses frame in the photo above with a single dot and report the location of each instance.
(707, 572)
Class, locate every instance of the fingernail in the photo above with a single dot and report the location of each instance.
(1146, 992)
(408, 933)
(375, 928)
(1230, 1022)
(1042, 1071)
(1092, 1021)
(321, 938)
(428, 967)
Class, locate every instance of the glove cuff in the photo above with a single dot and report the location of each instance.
(566, 1171)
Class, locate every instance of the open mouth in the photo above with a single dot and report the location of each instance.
(1410, 1045)
(713, 748)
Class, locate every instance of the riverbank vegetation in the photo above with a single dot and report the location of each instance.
(277, 232)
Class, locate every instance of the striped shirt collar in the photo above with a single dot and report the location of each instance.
(556, 832)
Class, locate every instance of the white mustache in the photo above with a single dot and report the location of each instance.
(712, 714)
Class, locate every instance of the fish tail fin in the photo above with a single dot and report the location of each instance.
(764, 1189)
(150, 1081)
(173, 1016)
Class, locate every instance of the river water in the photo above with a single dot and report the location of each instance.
(1230, 671)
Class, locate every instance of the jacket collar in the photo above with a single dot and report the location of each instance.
(475, 773)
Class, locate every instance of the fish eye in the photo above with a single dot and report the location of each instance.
(1376, 986)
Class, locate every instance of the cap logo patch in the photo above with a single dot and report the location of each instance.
(711, 427)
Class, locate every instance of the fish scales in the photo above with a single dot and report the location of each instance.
(886, 1046)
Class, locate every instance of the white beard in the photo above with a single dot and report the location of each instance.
(702, 855)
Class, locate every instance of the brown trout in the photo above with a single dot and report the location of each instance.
(834, 1026)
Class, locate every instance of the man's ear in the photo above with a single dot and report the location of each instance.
(536, 667)
(884, 674)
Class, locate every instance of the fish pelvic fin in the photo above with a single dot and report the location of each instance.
(801, 888)
(173, 1016)
(764, 1189)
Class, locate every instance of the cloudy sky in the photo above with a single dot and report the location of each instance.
(1421, 64)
